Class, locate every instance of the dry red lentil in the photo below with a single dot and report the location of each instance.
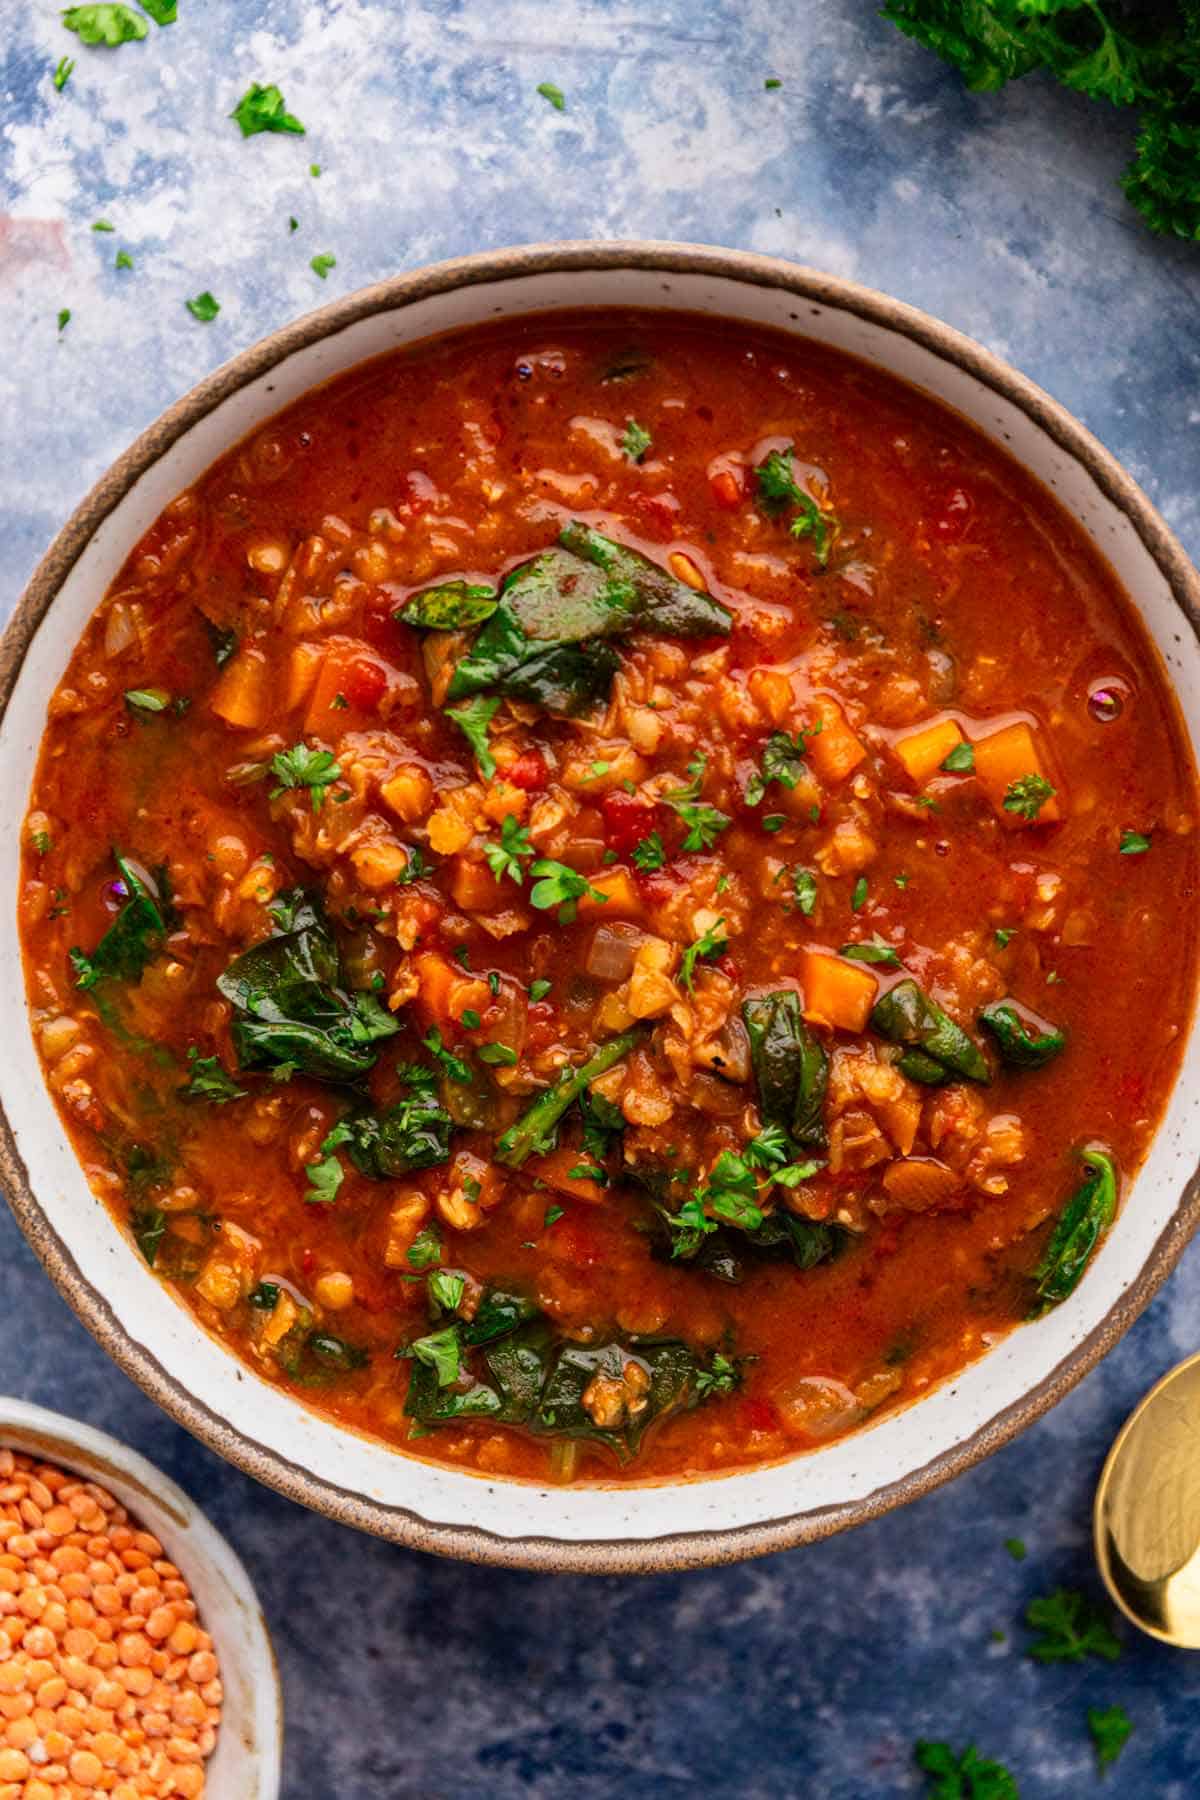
(108, 1683)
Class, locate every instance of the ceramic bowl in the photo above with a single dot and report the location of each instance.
(266, 1431)
(245, 1765)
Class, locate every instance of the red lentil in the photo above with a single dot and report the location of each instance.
(91, 1701)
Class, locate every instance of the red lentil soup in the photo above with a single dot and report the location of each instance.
(584, 894)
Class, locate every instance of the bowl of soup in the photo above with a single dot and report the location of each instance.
(603, 843)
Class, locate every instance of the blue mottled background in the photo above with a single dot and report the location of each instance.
(809, 1674)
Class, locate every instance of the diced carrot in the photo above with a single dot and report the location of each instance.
(555, 1171)
(409, 793)
(837, 993)
(303, 664)
(240, 696)
(835, 750)
(446, 992)
(336, 686)
(622, 900)
(922, 752)
(1006, 756)
(475, 888)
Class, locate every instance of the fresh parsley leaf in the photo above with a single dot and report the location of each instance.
(425, 1249)
(876, 951)
(774, 822)
(731, 1192)
(539, 988)
(636, 441)
(553, 94)
(415, 868)
(560, 886)
(1110, 1729)
(163, 12)
(966, 1777)
(447, 1289)
(321, 265)
(778, 491)
(858, 898)
(804, 887)
(1070, 1628)
(1016, 1548)
(442, 1352)
(203, 307)
(64, 318)
(324, 1180)
(648, 853)
(149, 1227)
(301, 766)
(721, 1377)
(470, 1018)
(41, 841)
(1133, 843)
(712, 942)
(961, 760)
(1027, 795)
(499, 1055)
(123, 260)
(209, 1080)
(553, 1214)
(769, 1148)
(506, 857)
(782, 761)
(771, 83)
(473, 718)
(148, 700)
(107, 25)
(1004, 935)
(704, 823)
(103, 225)
(263, 109)
(62, 73)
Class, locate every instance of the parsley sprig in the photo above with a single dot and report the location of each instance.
(1070, 1628)
(556, 884)
(1027, 795)
(506, 857)
(710, 943)
(302, 766)
(778, 490)
(704, 823)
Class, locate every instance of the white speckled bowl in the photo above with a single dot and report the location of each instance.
(245, 1765)
(265, 1430)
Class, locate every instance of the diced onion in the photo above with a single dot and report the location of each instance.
(611, 951)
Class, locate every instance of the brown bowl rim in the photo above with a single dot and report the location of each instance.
(632, 1555)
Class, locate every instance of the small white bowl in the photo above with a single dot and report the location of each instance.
(246, 1762)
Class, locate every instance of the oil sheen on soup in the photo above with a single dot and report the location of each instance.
(587, 892)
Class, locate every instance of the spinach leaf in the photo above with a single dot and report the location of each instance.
(412, 1134)
(1083, 1221)
(906, 1015)
(134, 937)
(292, 1013)
(790, 1067)
(316, 1358)
(545, 639)
(149, 1227)
(661, 603)
(1023, 1038)
(451, 606)
(536, 1126)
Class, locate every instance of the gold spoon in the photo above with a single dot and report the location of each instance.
(1147, 1511)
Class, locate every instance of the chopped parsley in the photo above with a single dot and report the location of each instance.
(447, 1289)
(442, 1352)
(771, 83)
(470, 1018)
(554, 1213)
(1110, 1728)
(163, 12)
(1016, 1548)
(778, 491)
(414, 868)
(64, 318)
(560, 886)
(539, 988)
(636, 441)
(123, 260)
(876, 951)
(858, 898)
(1004, 935)
(106, 25)
(1133, 843)
(722, 1377)
(41, 841)
(149, 700)
(203, 307)
(454, 1066)
(648, 853)
(473, 719)
(804, 888)
(782, 761)
(704, 823)
(1027, 795)
(966, 1777)
(209, 1080)
(324, 1180)
(961, 759)
(499, 1055)
(321, 265)
(426, 1248)
(1070, 1629)
(553, 94)
(712, 942)
(263, 109)
(102, 225)
(506, 857)
(62, 73)
(302, 767)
